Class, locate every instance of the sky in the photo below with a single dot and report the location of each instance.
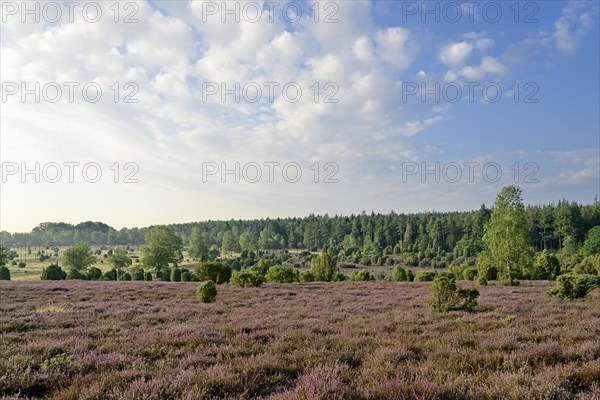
(142, 113)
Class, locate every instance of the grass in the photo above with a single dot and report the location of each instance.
(347, 340)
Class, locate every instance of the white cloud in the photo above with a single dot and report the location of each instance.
(456, 54)
(572, 26)
(489, 66)
(397, 46)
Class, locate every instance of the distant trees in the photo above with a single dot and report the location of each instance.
(163, 247)
(3, 256)
(78, 257)
(591, 246)
(198, 249)
(120, 259)
(506, 237)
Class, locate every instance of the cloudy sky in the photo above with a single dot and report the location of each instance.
(140, 113)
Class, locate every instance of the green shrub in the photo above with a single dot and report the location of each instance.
(447, 296)
(469, 274)
(164, 275)
(213, 271)
(4, 273)
(93, 274)
(362, 276)
(546, 266)
(246, 278)
(506, 282)
(425, 276)
(175, 275)
(75, 274)
(125, 277)
(22, 264)
(260, 268)
(138, 275)
(281, 274)
(338, 277)
(307, 276)
(53, 273)
(207, 292)
(482, 280)
(574, 286)
(186, 276)
(589, 265)
(148, 276)
(399, 274)
(110, 275)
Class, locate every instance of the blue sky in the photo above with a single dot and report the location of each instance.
(367, 57)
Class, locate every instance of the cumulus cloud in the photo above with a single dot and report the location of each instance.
(572, 26)
(456, 54)
(489, 66)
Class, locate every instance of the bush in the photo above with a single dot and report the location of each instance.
(589, 265)
(447, 296)
(362, 276)
(93, 274)
(469, 274)
(246, 278)
(482, 280)
(75, 274)
(22, 264)
(186, 276)
(176, 275)
(573, 286)
(4, 273)
(280, 274)
(164, 275)
(53, 273)
(207, 292)
(399, 274)
(425, 276)
(307, 276)
(546, 266)
(148, 276)
(213, 271)
(138, 275)
(125, 277)
(110, 275)
(506, 282)
(260, 268)
(338, 277)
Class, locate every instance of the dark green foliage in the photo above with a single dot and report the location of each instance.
(339, 277)
(482, 280)
(138, 274)
(307, 276)
(469, 274)
(546, 266)
(323, 268)
(125, 277)
(22, 264)
(213, 271)
(591, 246)
(589, 265)
(574, 286)
(207, 292)
(362, 276)
(110, 275)
(53, 273)
(447, 296)
(186, 276)
(246, 278)
(399, 274)
(4, 273)
(148, 276)
(164, 275)
(176, 275)
(425, 276)
(280, 274)
(260, 268)
(75, 274)
(3, 256)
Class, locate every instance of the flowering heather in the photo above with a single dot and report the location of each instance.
(346, 340)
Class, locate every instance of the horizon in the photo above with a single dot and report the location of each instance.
(163, 112)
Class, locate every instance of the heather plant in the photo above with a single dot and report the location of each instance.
(214, 271)
(574, 286)
(53, 273)
(362, 276)
(447, 296)
(176, 275)
(207, 292)
(4, 273)
(246, 278)
(281, 274)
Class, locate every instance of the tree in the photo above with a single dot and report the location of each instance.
(230, 243)
(119, 260)
(591, 246)
(322, 268)
(3, 256)
(162, 248)
(213, 271)
(546, 266)
(53, 273)
(198, 248)
(506, 238)
(4, 273)
(78, 257)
